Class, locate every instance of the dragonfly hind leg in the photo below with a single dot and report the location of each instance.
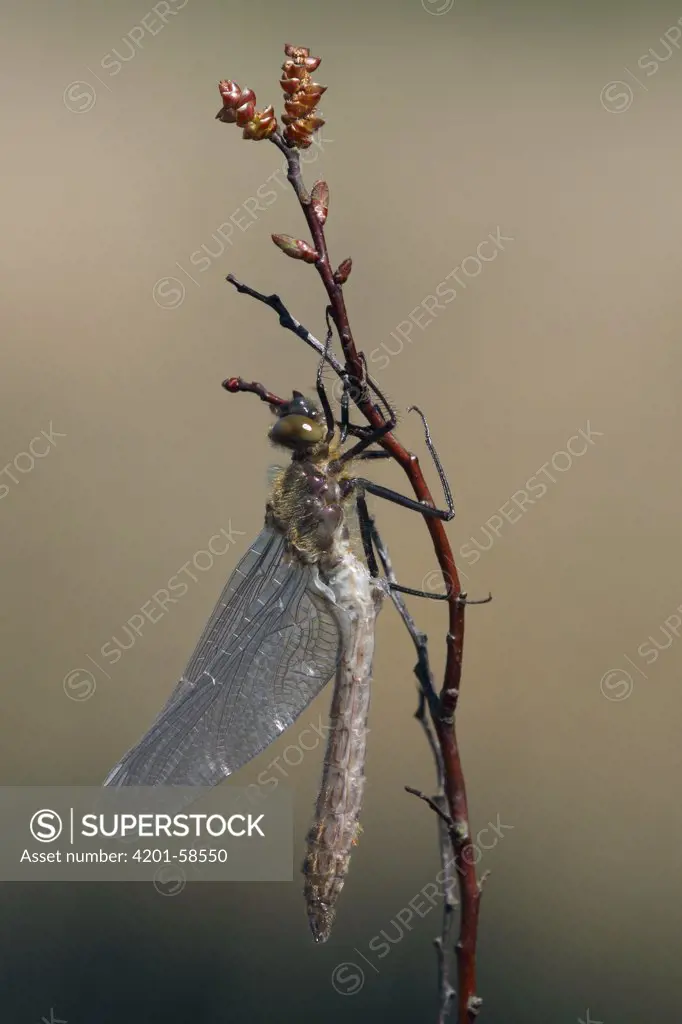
(370, 538)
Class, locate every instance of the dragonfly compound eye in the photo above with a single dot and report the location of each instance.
(297, 432)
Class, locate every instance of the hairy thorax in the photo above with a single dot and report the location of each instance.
(306, 506)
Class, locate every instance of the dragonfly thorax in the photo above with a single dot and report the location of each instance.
(306, 506)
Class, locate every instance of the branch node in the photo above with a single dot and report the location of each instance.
(474, 1005)
(433, 804)
(462, 599)
(449, 698)
(462, 831)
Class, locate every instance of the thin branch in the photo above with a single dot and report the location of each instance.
(434, 805)
(287, 320)
(237, 384)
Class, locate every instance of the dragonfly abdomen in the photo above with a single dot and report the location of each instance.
(335, 829)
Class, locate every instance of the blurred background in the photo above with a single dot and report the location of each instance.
(552, 129)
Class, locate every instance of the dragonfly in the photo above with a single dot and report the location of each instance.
(300, 608)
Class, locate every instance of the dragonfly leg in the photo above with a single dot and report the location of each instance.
(355, 429)
(321, 390)
(351, 387)
(367, 532)
(375, 453)
(368, 436)
(436, 460)
(358, 390)
(345, 423)
(363, 431)
(365, 442)
(401, 499)
(371, 539)
(462, 597)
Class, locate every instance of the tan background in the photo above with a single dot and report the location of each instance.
(443, 127)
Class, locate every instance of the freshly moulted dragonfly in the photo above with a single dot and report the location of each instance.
(299, 608)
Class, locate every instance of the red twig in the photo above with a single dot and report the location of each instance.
(236, 384)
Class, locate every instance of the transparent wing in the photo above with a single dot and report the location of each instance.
(268, 649)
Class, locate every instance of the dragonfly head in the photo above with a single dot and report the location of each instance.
(298, 426)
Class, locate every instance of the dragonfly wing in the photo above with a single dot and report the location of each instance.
(270, 646)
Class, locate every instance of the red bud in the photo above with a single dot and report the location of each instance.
(320, 200)
(342, 274)
(294, 247)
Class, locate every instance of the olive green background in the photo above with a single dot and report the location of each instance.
(443, 125)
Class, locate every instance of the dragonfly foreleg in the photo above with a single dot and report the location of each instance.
(351, 388)
(436, 460)
(359, 431)
(368, 435)
(359, 393)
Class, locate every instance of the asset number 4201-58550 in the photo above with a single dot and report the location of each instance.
(191, 856)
